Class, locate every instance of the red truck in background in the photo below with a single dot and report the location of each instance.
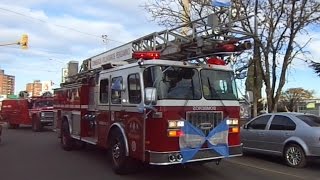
(35, 111)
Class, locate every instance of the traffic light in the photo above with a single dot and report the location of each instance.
(24, 41)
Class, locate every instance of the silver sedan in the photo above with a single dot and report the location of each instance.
(294, 136)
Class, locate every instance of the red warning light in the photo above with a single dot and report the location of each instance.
(216, 61)
(146, 55)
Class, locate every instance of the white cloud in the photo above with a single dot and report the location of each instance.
(42, 21)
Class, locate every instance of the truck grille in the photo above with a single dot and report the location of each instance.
(48, 115)
(205, 121)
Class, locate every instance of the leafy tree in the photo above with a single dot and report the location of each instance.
(23, 94)
(290, 98)
(316, 67)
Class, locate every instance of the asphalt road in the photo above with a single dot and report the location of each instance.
(26, 155)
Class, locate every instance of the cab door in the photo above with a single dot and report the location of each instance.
(134, 119)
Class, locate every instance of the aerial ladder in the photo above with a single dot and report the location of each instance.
(207, 37)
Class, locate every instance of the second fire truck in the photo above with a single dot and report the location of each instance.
(163, 99)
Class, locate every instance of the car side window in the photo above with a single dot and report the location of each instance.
(259, 123)
(282, 123)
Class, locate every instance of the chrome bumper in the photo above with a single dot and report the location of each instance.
(162, 158)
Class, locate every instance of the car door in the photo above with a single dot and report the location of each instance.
(253, 133)
(281, 128)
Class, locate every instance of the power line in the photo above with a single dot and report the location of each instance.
(57, 25)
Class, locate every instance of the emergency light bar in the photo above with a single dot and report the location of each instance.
(146, 55)
(216, 61)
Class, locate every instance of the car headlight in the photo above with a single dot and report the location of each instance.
(42, 114)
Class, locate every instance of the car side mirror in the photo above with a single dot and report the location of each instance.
(245, 126)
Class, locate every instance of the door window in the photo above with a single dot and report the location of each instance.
(116, 88)
(259, 123)
(104, 84)
(282, 123)
(134, 89)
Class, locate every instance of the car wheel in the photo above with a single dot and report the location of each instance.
(67, 142)
(294, 156)
(121, 163)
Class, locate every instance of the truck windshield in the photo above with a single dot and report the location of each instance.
(45, 103)
(173, 82)
(184, 83)
(218, 85)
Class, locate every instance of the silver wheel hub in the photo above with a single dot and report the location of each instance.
(116, 151)
(293, 156)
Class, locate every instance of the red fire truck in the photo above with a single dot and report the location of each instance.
(157, 99)
(36, 111)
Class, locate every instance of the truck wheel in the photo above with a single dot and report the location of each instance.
(67, 142)
(121, 163)
(36, 125)
(294, 156)
(13, 126)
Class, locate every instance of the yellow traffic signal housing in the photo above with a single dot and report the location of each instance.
(24, 41)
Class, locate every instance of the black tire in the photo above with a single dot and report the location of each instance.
(67, 143)
(295, 156)
(121, 163)
(36, 125)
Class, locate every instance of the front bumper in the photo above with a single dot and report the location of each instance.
(162, 158)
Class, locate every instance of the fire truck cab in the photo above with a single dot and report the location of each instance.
(162, 99)
(35, 111)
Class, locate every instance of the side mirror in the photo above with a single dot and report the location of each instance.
(250, 96)
(150, 95)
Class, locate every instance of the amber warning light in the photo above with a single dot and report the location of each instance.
(146, 55)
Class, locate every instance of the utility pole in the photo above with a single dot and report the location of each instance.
(255, 59)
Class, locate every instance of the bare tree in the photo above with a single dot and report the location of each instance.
(281, 23)
(170, 13)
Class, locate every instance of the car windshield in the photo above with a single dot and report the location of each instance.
(184, 83)
(45, 103)
(313, 121)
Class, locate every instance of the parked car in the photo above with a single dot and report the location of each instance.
(294, 136)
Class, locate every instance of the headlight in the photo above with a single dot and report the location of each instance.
(232, 121)
(175, 124)
(42, 114)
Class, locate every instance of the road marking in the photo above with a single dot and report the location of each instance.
(266, 169)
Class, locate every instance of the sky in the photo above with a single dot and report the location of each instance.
(61, 31)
